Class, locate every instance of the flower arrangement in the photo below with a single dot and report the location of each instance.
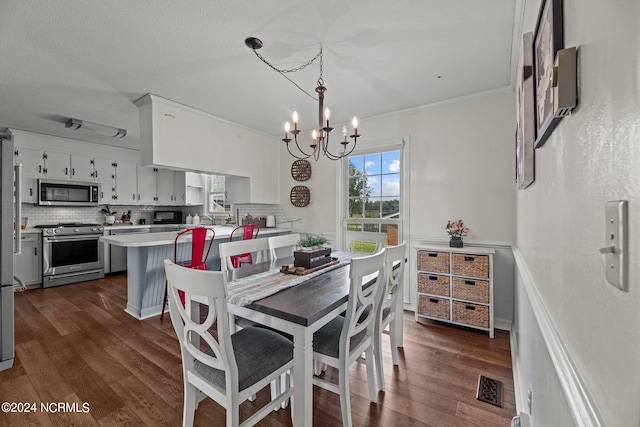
(456, 228)
(312, 240)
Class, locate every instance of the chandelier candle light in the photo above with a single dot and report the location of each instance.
(320, 136)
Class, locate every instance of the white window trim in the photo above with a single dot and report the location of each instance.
(341, 178)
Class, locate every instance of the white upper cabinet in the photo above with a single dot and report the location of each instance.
(165, 188)
(125, 183)
(41, 163)
(104, 172)
(146, 185)
(192, 188)
(32, 161)
(174, 135)
(177, 136)
(57, 165)
(82, 168)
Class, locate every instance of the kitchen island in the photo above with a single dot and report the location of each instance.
(145, 270)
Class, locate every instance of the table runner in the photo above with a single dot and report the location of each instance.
(248, 289)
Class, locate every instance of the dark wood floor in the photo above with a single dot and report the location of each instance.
(76, 344)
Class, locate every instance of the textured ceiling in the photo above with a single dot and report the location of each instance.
(91, 59)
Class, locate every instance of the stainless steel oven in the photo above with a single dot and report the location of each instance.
(71, 253)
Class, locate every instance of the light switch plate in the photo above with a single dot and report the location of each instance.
(616, 258)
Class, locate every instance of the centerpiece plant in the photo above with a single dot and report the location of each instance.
(313, 241)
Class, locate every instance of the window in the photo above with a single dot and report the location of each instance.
(374, 190)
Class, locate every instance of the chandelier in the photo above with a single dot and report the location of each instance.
(320, 135)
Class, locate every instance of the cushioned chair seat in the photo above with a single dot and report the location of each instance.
(258, 352)
(327, 339)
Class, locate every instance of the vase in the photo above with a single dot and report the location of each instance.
(455, 242)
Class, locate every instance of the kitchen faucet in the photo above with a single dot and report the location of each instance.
(207, 217)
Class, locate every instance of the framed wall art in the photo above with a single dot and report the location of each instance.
(547, 40)
(526, 122)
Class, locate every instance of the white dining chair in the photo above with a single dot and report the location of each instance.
(343, 340)
(283, 246)
(365, 241)
(229, 368)
(259, 248)
(387, 312)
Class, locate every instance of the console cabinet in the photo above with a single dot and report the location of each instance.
(455, 285)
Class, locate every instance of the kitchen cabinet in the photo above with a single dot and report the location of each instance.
(190, 187)
(38, 163)
(455, 285)
(104, 172)
(165, 128)
(165, 187)
(28, 265)
(82, 167)
(215, 146)
(146, 185)
(125, 183)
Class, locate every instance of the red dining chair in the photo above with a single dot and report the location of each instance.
(198, 259)
(249, 231)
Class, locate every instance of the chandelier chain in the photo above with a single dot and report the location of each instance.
(292, 70)
(283, 72)
(320, 135)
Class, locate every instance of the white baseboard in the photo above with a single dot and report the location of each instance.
(582, 409)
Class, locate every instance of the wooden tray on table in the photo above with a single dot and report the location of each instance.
(301, 271)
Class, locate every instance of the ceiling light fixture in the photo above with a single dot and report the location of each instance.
(95, 127)
(320, 135)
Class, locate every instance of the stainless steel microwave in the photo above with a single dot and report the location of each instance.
(60, 192)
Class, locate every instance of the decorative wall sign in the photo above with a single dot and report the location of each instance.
(300, 196)
(301, 170)
(526, 122)
(546, 42)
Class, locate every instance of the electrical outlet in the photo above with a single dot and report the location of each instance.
(530, 399)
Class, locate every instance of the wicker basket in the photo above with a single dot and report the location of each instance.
(433, 284)
(434, 307)
(471, 314)
(470, 265)
(438, 262)
(471, 290)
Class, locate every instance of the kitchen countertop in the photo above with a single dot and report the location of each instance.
(168, 237)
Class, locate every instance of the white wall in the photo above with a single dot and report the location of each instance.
(461, 166)
(461, 163)
(592, 157)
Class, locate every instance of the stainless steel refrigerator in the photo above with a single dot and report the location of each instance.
(9, 245)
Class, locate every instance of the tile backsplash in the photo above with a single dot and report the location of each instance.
(39, 215)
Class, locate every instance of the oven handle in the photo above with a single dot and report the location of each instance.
(71, 238)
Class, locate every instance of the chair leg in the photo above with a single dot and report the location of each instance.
(394, 341)
(371, 375)
(345, 396)
(164, 300)
(275, 392)
(377, 351)
(189, 409)
(284, 386)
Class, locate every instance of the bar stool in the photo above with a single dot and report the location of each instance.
(198, 259)
(249, 231)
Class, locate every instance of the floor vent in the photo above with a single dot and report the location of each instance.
(490, 391)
